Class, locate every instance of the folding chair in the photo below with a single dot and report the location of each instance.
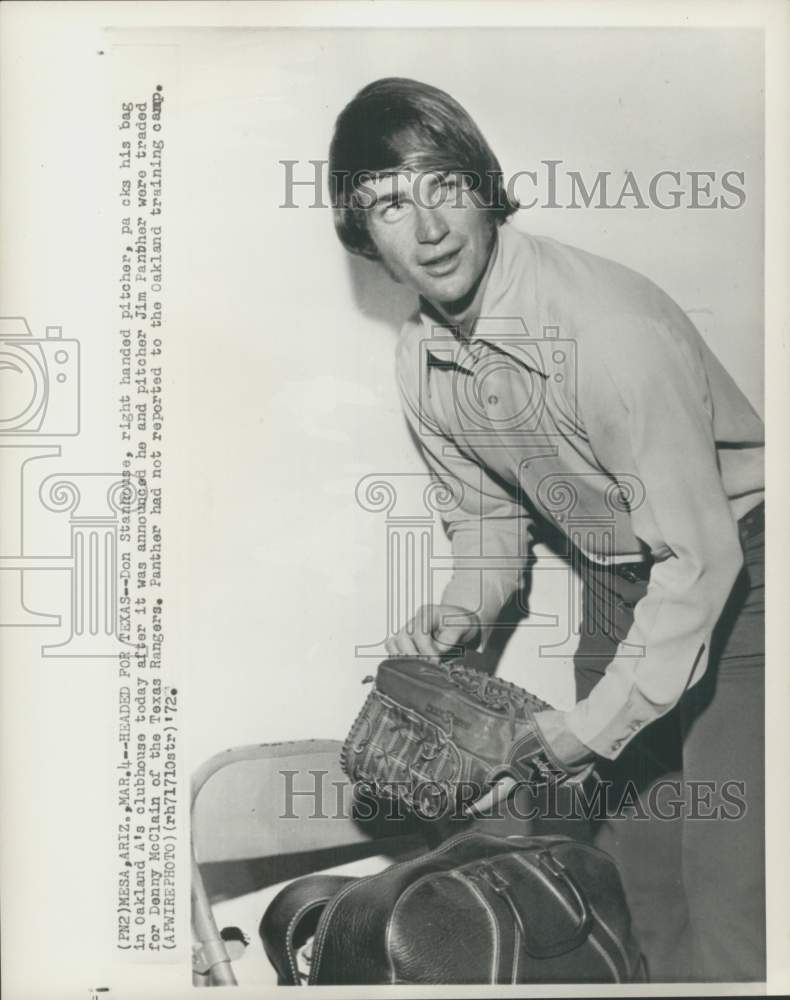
(281, 807)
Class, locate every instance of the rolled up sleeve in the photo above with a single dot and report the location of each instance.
(647, 413)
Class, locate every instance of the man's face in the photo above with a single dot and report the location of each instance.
(430, 234)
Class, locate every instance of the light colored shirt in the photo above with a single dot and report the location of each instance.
(585, 395)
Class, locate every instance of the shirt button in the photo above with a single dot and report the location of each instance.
(493, 400)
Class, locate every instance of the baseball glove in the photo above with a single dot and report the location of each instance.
(437, 737)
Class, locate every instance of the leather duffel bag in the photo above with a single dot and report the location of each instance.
(477, 909)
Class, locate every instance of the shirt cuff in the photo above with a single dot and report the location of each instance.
(608, 724)
(564, 745)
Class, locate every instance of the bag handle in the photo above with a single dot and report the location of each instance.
(580, 932)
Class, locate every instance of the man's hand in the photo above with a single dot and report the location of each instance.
(568, 751)
(429, 633)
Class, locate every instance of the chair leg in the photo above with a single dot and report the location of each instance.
(210, 955)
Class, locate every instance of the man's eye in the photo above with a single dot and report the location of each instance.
(447, 188)
(394, 210)
(451, 183)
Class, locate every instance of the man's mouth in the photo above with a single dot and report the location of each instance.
(442, 264)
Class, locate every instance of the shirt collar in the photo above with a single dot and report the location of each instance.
(508, 319)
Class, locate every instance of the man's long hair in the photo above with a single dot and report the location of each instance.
(397, 125)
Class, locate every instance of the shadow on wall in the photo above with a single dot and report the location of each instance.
(377, 296)
(229, 879)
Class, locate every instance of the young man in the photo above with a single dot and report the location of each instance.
(557, 392)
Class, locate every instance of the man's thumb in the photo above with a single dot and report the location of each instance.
(457, 634)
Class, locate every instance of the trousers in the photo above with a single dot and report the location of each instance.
(689, 834)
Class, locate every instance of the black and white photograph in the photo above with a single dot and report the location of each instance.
(392, 426)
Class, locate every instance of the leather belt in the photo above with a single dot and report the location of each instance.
(633, 571)
(751, 524)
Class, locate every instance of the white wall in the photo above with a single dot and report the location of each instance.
(281, 347)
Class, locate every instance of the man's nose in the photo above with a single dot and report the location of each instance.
(431, 225)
